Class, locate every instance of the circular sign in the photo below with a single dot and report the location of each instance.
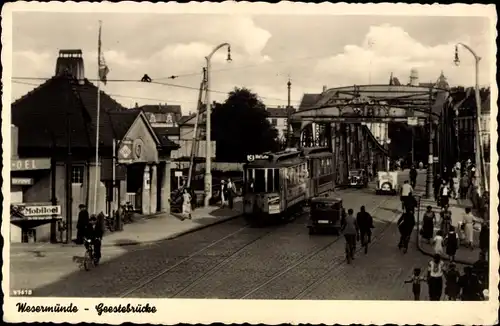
(138, 147)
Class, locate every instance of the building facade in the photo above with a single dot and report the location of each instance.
(278, 118)
(58, 119)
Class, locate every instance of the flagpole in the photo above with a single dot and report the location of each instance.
(98, 116)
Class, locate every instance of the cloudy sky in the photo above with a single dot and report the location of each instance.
(312, 50)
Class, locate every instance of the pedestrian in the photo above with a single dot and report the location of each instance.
(415, 280)
(223, 193)
(444, 193)
(445, 175)
(484, 237)
(435, 274)
(480, 269)
(456, 182)
(470, 286)
(413, 176)
(451, 241)
(365, 224)
(464, 186)
(94, 233)
(446, 220)
(406, 189)
(406, 223)
(468, 225)
(410, 204)
(437, 243)
(429, 220)
(452, 288)
(186, 204)
(82, 223)
(437, 184)
(230, 193)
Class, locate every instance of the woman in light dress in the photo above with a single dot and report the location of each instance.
(186, 204)
(468, 225)
(438, 243)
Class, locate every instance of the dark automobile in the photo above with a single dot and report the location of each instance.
(325, 213)
(358, 178)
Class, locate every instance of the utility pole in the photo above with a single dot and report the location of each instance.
(69, 164)
(430, 161)
(289, 116)
(196, 131)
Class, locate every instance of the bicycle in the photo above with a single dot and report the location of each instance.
(88, 260)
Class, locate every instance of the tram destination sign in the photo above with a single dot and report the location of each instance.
(251, 158)
(27, 164)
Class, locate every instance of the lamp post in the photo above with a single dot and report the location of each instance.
(430, 160)
(208, 164)
(388, 163)
(482, 183)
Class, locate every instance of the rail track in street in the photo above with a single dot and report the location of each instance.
(160, 278)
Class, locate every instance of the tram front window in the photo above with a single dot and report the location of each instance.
(260, 180)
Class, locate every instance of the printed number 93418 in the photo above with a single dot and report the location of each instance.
(23, 292)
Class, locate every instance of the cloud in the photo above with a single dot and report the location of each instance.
(313, 51)
(387, 49)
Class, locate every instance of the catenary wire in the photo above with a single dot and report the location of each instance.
(152, 82)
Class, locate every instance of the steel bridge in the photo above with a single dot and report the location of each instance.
(353, 121)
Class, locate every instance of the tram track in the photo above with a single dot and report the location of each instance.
(306, 258)
(149, 280)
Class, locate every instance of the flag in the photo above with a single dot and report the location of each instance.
(103, 68)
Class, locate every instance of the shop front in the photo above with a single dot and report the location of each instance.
(32, 218)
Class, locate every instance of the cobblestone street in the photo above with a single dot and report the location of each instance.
(231, 260)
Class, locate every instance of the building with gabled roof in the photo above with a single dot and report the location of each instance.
(58, 120)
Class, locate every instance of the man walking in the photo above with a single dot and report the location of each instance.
(413, 176)
(81, 225)
(365, 224)
(406, 190)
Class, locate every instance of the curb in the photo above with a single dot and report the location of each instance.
(175, 235)
(201, 227)
(427, 253)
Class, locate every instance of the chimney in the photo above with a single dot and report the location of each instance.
(414, 77)
(324, 88)
(136, 105)
(71, 61)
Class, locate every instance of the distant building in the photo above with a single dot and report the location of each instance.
(465, 123)
(441, 81)
(278, 118)
(59, 117)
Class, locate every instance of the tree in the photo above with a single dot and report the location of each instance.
(240, 127)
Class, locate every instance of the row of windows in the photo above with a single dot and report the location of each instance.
(296, 175)
(263, 180)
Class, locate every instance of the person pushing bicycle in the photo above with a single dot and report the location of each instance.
(94, 233)
(350, 230)
(365, 224)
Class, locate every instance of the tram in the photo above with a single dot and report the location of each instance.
(278, 185)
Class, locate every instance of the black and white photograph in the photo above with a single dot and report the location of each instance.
(300, 160)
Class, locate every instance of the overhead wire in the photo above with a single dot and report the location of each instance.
(146, 98)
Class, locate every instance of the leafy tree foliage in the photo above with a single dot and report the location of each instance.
(240, 127)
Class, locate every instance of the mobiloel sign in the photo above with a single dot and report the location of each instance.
(42, 210)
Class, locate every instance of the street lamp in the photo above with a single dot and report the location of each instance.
(388, 163)
(480, 179)
(208, 164)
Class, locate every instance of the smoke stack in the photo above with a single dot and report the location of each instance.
(324, 88)
(136, 105)
(414, 77)
(72, 62)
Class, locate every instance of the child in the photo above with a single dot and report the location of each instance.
(416, 279)
(438, 243)
(452, 289)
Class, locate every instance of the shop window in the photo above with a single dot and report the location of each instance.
(77, 174)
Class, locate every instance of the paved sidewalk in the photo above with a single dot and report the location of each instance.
(148, 229)
(457, 207)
